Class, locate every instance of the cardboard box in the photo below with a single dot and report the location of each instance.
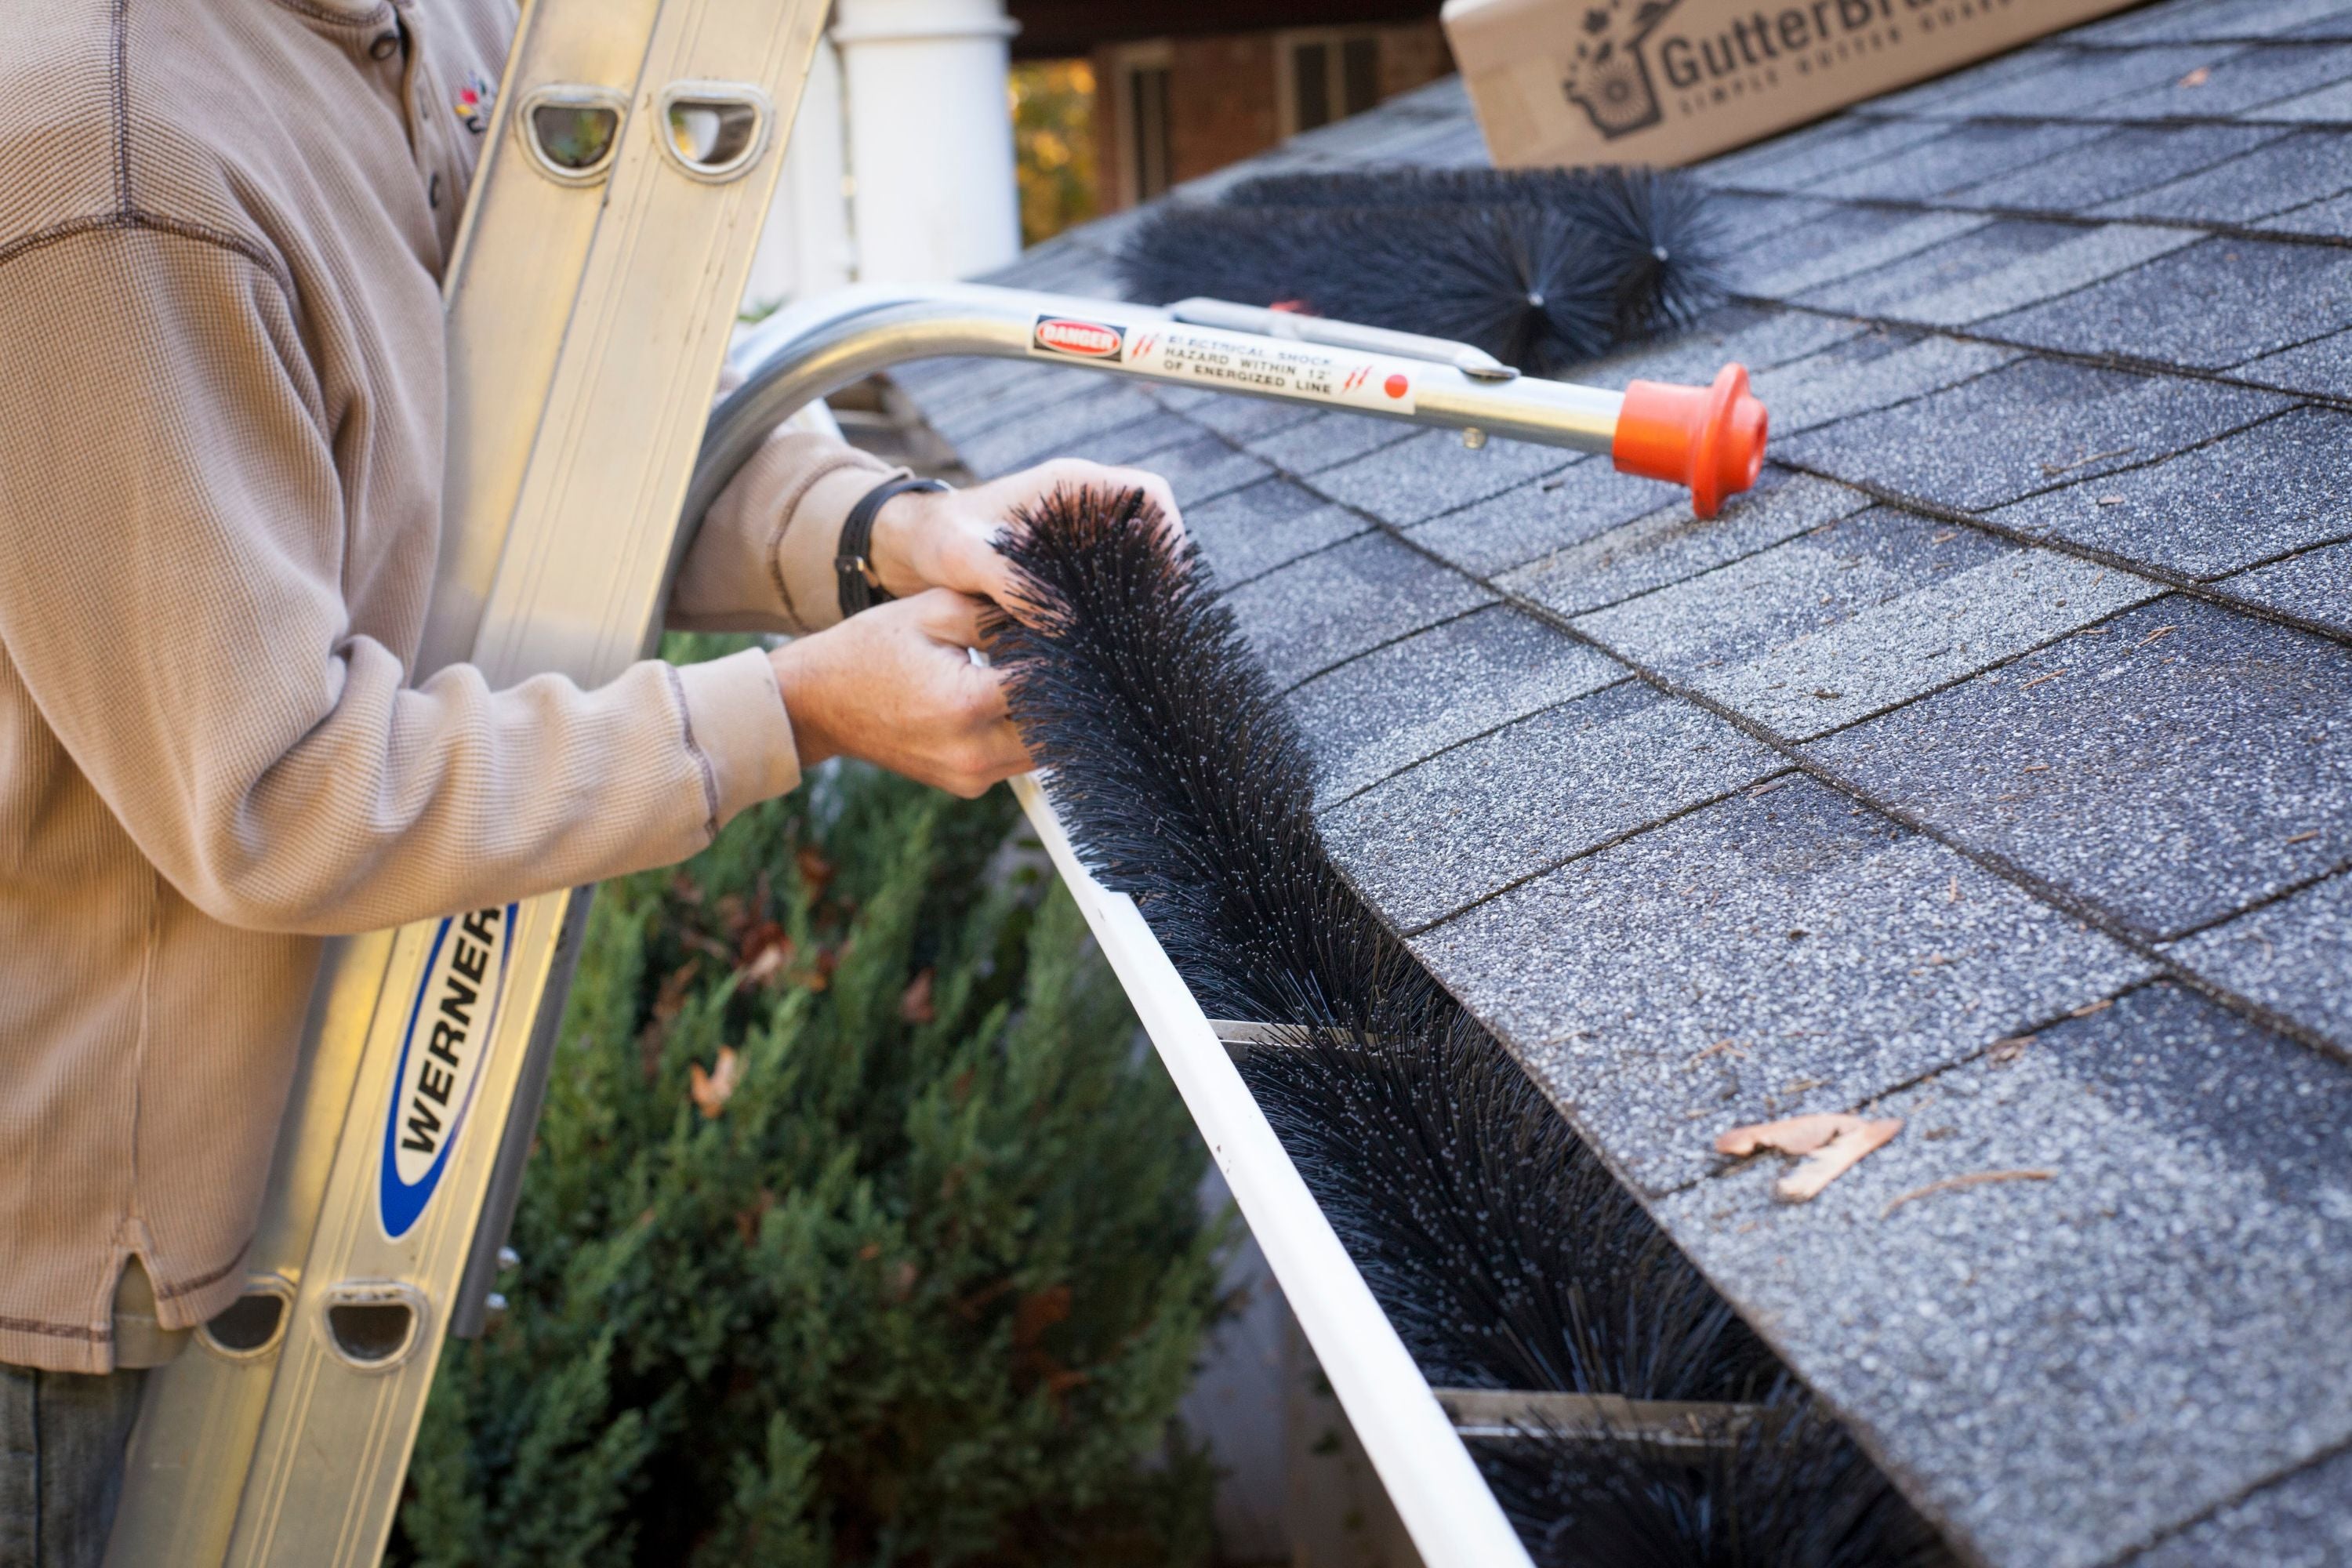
(1667, 81)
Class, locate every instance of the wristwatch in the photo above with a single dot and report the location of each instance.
(851, 563)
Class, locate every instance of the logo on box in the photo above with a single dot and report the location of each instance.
(1609, 79)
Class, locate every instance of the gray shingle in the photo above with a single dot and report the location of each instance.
(1869, 373)
(2129, 160)
(1135, 441)
(1253, 530)
(2328, 105)
(1326, 440)
(1035, 435)
(1821, 939)
(2324, 366)
(1396, 705)
(2240, 82)
(1585, 499)
(2302, 1520)
(2037, 424)
(2259, 493)
(2085, 257)
(1433, 472)
(2288, 172)
(1204, 468)
(1895, 650)
(1758, 337)
(1722, 619)
(1801, 163)
(2294, 957)
(2210, 306)
(2315, 586)
(1325, 608)
(1962, 156)
(1846, 241)
(2164, 767)
(1670, 545)
(1470, 822)
(1995, 247)
(2065, 1367)
(2223, 20)
(2330, 219)
(2100, 83)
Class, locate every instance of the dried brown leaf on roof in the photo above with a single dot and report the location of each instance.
(1831, 1142)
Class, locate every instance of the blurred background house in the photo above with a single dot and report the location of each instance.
(938, 137)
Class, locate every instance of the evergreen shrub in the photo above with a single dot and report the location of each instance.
(858, 1230)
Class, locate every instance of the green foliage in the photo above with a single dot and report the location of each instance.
(1054, 145)
(857, 1231)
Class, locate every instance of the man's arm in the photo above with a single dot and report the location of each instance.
(172, 560)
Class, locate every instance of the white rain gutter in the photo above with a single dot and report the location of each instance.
(1444, 1503)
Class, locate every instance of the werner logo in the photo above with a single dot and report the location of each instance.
(441, 1056)
(1079, 340)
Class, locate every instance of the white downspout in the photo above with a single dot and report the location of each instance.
(931, 136)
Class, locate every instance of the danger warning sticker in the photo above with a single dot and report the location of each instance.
(1234, 362)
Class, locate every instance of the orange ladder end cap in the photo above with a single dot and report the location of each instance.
(1711, 438)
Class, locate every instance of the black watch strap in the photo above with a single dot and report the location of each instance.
(851, 559)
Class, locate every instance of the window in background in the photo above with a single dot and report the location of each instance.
(1325, 75)
(1139, 111)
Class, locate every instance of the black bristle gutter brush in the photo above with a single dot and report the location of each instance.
(1499, 1244)
(1540, 268)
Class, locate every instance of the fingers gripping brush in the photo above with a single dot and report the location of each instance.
(1496, 1241)
(1538, 268)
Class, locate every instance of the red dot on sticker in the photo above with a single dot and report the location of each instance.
(1395, 385)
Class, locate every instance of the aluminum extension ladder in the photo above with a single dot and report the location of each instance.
(591, 303)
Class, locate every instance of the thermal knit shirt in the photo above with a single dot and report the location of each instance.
(223, 225)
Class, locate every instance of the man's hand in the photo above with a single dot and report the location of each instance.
(894, 687)
(947, 540)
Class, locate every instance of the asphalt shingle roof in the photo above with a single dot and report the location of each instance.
(2015, 705)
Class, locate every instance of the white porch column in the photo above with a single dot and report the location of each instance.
(931, 136)
(805, 247)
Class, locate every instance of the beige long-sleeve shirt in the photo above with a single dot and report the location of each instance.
(221, 228)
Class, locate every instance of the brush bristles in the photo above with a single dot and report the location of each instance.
(1502, 1250)
(1539, 268)
(1496, 1242)
(1787, 1490)
(1184, 781)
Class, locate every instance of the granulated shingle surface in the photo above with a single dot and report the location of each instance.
(2301, 1522)
(2316, 586)
(1381, 713)
(1824, 943)
(2120, 1341)
(2247, 498)
(2030, 427)
(1251, 531)
(1669, 545)
(2166, 767)
(2038, 396)
(2211, 306)
(2289, 956)
(1472, 821)
(1325, 608)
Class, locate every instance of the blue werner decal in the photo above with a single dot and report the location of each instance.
(441, 1054)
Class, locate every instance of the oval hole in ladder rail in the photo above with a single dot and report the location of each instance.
(714, 131)
(572, 132)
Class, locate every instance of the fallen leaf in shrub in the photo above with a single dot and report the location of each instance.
(915, 1002)
(763, 952)
(711, 1091)
(814, 868)
(1831, 1142)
